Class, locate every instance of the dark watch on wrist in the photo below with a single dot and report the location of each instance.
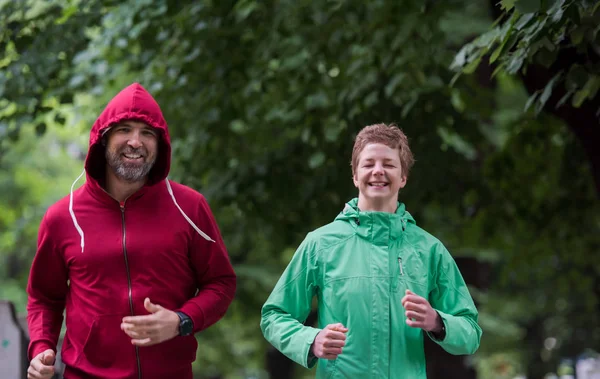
(186, 325)
(441, 335)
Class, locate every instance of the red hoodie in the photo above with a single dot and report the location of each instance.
(100, 260)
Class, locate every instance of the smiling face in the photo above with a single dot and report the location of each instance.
(131, 150)
(378, 177)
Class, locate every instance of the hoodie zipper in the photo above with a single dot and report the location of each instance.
(400, 264)
(129, 292)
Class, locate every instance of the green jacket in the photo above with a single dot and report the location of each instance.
(359, 267)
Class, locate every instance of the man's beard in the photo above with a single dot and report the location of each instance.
(130, 172)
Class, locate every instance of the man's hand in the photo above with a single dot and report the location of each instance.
(329, 342)
(159, 326)
(42, 366)
(420, 314)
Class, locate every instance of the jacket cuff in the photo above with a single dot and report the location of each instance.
(311, 360)
(439, 337)
(195, 313)
(38, 347)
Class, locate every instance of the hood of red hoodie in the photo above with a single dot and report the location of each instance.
(132, 103)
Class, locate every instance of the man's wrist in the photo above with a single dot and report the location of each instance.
(39, 347)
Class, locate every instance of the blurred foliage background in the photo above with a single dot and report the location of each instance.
(263, 99)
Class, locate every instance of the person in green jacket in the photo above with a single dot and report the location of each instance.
(381, 282)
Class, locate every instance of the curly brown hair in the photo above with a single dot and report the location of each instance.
(390, 135)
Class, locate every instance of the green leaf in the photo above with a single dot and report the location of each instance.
(408, 106)
(316, 160)
(507, 5)
(505, 35)
(592, 86)
(531, 100)
(547, 92)
(556, 10)
(455, 78)
(457, 142)
(546, 58)
(542, 44)
(487, 40)
(576, 78)
(471, 67)
(579, 97)
(498, 69)
(333, 130)
(564, 99)
(243, 9)
(589, 90)
(595, 8)
(528, 6)
(457, 101)
(318, 100)
(238, 126)
(515, 62)
(523, 21)
(66, 14)
(295, 61)
(504, 44)
(577, 34)
(371, 99)
(460, 58)
(532, 31)
(396, 80)
(38, 8)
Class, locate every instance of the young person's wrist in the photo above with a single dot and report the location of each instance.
(439, 332)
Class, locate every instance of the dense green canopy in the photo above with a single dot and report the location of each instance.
(263, 99)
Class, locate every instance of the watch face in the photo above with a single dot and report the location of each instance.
(186, 327)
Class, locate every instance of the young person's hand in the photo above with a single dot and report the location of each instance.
(159, 326)
(329, 342)
(42, 365)
(420, 314)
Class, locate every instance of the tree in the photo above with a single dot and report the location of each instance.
(263, 100)
(553, 46)
(34, 172)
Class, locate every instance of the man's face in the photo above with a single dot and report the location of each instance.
(131, 150)
(378, 176)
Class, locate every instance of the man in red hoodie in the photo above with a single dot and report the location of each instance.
(136, 260)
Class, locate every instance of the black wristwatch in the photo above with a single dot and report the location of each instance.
(186, 325)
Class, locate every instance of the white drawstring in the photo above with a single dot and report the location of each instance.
(80, 231)
(73, 213)
(206, 237)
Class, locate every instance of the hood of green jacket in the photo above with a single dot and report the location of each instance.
(352, 213)
(376, 226)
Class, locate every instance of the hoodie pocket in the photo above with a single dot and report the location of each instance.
(107, 345)
(174, 355)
